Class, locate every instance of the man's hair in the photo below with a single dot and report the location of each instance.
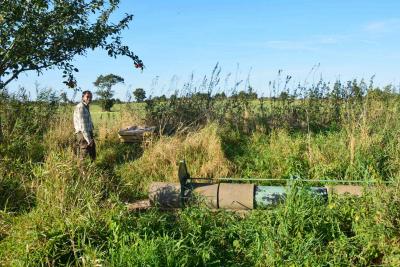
(86, 92)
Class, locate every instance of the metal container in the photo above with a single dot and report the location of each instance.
(273, 195)
(269, 195)
(206, 194)
(354, 190)
(165, 195)
(236, 196)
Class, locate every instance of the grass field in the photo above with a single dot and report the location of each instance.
(55, 211)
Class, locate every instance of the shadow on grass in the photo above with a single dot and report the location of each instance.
(15, 196)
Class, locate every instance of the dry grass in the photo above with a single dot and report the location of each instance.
(202, 150)
(108, 124)
(61, 132)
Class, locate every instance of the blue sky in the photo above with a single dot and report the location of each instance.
(345, 39)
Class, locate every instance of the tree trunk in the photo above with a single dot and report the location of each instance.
(1, 132)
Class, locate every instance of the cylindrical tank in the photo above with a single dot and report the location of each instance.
(224, 195)
(206, 194)
(355, 190)
(233, 196)
(269, 195)
(236, 196)
(272, 195)
(165, 195)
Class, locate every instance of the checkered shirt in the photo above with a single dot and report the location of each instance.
(83, 121)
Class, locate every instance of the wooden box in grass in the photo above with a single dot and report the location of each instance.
(136, 134)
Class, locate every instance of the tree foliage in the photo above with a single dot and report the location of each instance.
(140, 94)
(105, 83)
(44, 34)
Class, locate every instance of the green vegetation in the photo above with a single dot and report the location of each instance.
(55, 211)
(139, 94)
(105, 83)
(44, 34)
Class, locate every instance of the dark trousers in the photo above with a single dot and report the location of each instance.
(83, 148)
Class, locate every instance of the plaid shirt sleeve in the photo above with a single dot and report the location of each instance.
(83, 121)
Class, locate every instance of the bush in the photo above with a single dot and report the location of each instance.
(24, 123)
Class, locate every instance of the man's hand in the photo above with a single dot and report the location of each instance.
(91, 142)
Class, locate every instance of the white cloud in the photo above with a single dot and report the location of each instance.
(383, 26)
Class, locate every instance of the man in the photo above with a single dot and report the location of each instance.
(84, 128)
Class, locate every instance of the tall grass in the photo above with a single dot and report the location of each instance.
(56, 210)
(159, 162)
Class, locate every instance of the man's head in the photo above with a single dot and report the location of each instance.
(86, 97)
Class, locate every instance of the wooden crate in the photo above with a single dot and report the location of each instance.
(136, 134)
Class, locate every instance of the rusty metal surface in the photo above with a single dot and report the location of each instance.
(236, 196)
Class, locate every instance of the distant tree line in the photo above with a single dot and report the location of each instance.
(350, 90)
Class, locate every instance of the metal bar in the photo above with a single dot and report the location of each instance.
(290, 180)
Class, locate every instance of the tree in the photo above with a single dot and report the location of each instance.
(140, 94)
(221, 95)
(105, 83)
(251, 93)
(64, 98)
(45, 34)
(284, 96)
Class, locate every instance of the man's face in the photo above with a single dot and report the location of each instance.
(87, 98)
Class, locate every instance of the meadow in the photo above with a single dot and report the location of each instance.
(56, 211)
